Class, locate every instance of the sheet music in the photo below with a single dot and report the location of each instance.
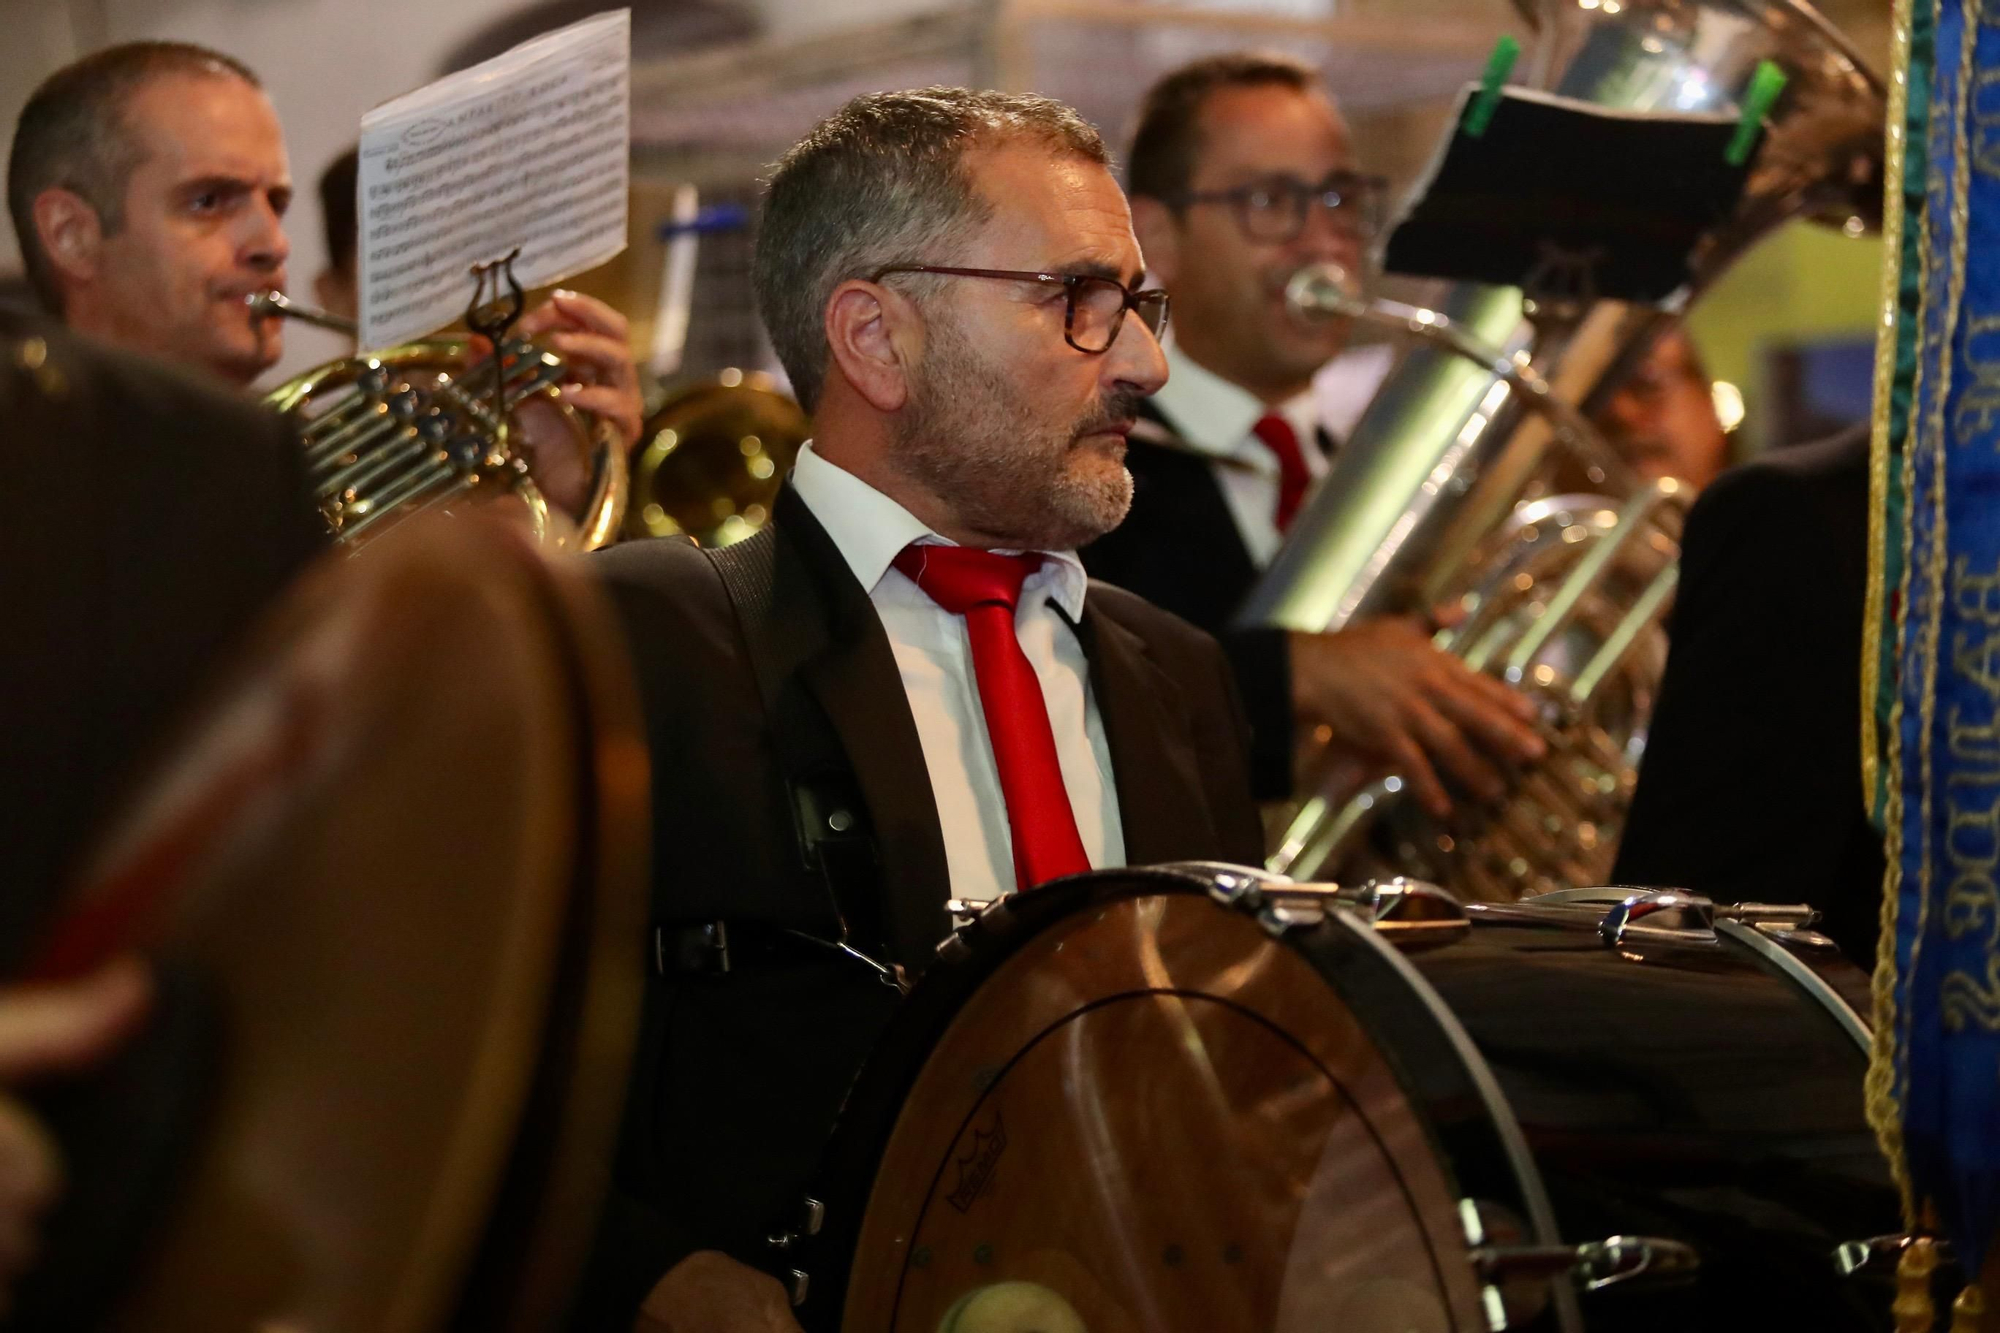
(530, 148)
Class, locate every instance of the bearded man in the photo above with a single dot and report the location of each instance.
(904, 691)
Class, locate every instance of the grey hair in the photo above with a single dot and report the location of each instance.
(72, 135)
(882, 181)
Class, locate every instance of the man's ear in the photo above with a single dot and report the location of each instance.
(71, 234)
(1158, 229)
(869, 331)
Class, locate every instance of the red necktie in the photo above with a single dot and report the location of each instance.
(1283, 442)
(985, 588)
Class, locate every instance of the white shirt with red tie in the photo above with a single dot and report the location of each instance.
(934, 656)
(1215, 417)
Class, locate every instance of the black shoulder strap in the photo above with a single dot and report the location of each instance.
(836, 836)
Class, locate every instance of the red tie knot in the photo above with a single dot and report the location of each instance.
(1293, 475)
(959, 578)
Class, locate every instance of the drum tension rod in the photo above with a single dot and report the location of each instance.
(1613, 1261)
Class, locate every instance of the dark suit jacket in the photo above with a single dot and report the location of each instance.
(1179, 549)
(1751, 783)
(741, 1074)
(144, 521)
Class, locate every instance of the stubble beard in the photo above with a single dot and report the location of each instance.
(973, 436)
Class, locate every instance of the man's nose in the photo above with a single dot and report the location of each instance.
(1135, 361)
(267, 246)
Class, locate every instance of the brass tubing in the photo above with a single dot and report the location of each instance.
(408, 488)
(357, 448)
(268, 304)
(1590, 572)
(345, 435)
(1621, 639)
(380, 462)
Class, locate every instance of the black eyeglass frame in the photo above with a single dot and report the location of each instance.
(1071, 283)
(1369, 192)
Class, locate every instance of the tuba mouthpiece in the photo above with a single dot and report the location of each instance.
(1324, 291)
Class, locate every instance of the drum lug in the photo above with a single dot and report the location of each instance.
(812, 1216)
(1632, 915)
(1611, 1262)
(1594, 1265)
(1407, 913)
(1878, 1256)
(1671, 913)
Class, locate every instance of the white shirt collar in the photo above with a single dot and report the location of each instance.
(1214, 416)
(870, 530)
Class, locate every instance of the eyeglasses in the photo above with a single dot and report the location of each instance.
(1274, 209)
(1094, 307)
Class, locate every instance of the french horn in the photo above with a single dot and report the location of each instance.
(410, 428)
(1471, 481)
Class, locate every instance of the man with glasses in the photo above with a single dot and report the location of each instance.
(903, 691)
(1241, 172)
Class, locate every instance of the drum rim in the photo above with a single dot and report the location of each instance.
(868, 1115)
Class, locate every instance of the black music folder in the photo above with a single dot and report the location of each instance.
(1565, 198)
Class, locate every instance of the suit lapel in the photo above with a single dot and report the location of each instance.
(847, 666)
(1151, 738)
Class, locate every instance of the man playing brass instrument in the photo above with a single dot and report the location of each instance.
(904, 690)
(148, 186)
(1241, 173)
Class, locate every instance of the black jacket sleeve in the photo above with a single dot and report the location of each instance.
(1751, 785)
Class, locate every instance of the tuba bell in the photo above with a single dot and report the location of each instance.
(1471, 480)
(712, 457)
(409, 428)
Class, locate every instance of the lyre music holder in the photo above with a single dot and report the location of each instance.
(491, 317)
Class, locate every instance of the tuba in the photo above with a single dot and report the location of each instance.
(712, 458)
(1472, 481)
(392, 433)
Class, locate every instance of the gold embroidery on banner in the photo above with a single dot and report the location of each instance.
(1967, 1003)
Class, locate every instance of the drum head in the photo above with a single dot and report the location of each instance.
(404, 850)
(1153, 1115)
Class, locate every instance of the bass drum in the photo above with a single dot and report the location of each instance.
(1201, 1098)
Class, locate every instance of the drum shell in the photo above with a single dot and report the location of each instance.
(1665, 1136)
(1683, 1087)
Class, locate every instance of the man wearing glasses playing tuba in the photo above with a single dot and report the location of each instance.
(1241, 172)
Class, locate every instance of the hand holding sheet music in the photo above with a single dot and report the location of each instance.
(529, 149)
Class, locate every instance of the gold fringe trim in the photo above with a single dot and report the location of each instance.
(1969, 1310)
(1896, 129)
(1913, 1309)
(1880, 1084)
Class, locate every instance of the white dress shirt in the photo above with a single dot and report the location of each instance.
(934, 655)
(1214, 417)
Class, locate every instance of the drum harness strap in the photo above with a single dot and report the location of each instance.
(834, 834)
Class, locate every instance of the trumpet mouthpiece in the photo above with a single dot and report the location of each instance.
(1324, 291)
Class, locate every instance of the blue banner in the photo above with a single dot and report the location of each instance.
(1942, 956)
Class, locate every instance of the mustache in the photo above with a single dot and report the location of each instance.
(1113, 410)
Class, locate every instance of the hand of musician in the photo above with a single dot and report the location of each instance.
(1388, 694)
(593, 339)
(50, 1030)
(708, 1292)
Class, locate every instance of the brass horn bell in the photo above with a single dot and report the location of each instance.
(712, 457)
